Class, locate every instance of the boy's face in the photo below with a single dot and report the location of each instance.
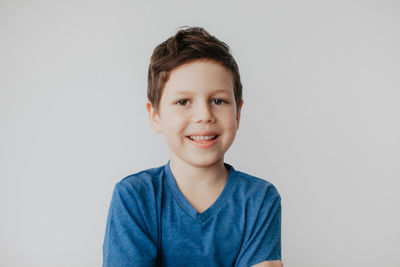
(198, 100)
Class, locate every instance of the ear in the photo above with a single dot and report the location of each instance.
(154, 118)
(238, 115)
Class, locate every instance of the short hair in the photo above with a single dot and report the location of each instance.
(187, 45)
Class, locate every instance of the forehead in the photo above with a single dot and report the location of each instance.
(200, 76)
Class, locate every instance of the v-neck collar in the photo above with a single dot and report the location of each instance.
(185, 204)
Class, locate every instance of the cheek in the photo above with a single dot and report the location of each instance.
(229, 118)
(175, 122)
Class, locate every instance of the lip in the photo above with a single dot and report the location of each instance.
(204, 143)
(203, 134)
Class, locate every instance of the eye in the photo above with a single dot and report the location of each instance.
(219, 101)
(182, 102)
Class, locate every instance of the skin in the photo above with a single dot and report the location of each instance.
(269, 264)
(208, 104)
(198, 171)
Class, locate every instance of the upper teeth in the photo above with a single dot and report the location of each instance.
(202, 137)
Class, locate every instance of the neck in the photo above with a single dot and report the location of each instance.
(190, 176)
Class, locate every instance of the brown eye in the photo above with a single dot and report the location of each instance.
(182, 102)
(219, 101)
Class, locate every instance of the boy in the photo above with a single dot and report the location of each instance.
(195, 210)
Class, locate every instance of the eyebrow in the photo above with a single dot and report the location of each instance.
(214, 91)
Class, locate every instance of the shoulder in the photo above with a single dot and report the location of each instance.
(142, 180)
(255, 186)
(139, 195)
(256, 195)
(143, 186)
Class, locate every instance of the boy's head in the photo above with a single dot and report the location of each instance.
(185, 46)
(195, 96)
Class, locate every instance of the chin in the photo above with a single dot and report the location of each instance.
(201, 163)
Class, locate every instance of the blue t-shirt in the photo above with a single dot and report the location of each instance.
(151, 223)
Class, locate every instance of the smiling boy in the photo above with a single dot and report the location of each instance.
(196, 210)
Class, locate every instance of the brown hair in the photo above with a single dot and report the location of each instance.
(188, 44)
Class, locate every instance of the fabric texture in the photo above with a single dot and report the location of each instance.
(151, 223)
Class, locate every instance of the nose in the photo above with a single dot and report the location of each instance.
(203, 113)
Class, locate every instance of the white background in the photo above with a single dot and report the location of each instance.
(320, 120)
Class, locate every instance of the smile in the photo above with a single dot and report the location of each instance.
(203, 141)
(197, 138)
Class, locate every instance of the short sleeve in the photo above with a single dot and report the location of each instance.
(264, 243)
(127, 240)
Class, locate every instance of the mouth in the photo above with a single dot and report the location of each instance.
(200, 138)
(203, 141)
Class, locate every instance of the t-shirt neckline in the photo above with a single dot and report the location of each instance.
(185, 204)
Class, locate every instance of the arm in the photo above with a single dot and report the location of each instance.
(263, 245)
(269, 264)
(127, 239)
